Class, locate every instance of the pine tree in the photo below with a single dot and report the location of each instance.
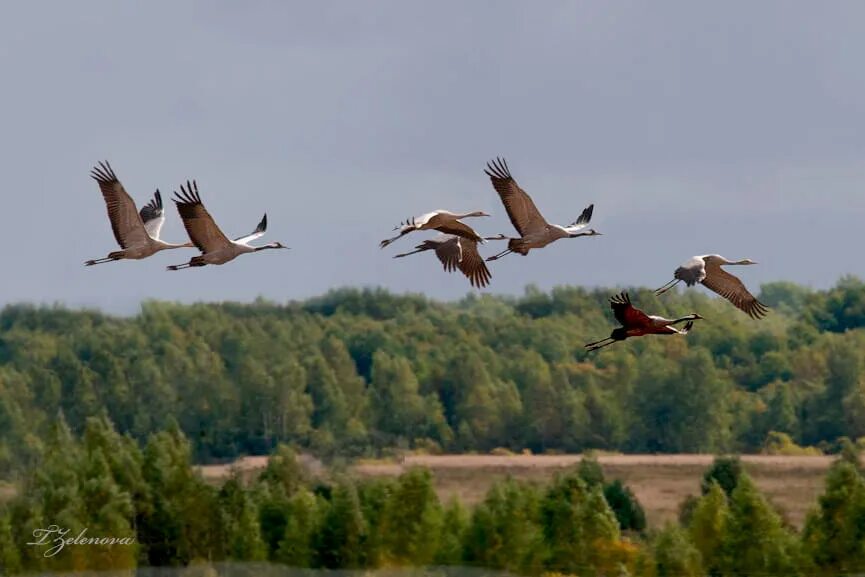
(413, 519)
(756, 541)
(296, 548)
(834, 534)
(109, 512)
(342, 530)
(240, 523)
(625, 506)
(455, 521)
(725, 471)
(375, 496)
(674, 554)
(505, 532)
(708, 527)
(599, 532)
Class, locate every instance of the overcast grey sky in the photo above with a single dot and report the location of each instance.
(733, 127)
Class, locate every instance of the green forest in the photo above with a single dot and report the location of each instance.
(365, 372)
(578, 524)
(103, 417)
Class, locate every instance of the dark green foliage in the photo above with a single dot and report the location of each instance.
(342, 529)
(357, 372)
(505, 531)
(101, 419)
(102, 481)
(675, 555)
(834, 533)
(589, 470)
(625, 506)
(725, 471)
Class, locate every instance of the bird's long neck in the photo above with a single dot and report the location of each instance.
(264, 247)
(689, 317)
(168, 245)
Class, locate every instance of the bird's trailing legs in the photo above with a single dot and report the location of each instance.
(504, 252)
(667, 286)
(98, 261)
(178, 266)
(500, 255)
(387, 241)
(111, 256)
(415, 251)
(405, 227)
(600, 344)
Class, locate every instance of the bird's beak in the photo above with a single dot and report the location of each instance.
(485, 214)
(696, 316)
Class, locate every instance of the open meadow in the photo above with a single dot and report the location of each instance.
(661, 482)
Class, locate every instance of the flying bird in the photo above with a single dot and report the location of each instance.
(457, 253)
(534, 230)
(136, 232)
(215, 247)
(440, 220)
(636, 323)
(706, 269)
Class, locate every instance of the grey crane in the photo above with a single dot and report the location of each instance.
(215, 247)
(534, 230)
(457, 253)
(706, 269)
(137, 232)
(440, 220)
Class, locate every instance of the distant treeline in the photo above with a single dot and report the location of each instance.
(579, 524)
(357, 372)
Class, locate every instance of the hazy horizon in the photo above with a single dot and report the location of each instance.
(732, 129)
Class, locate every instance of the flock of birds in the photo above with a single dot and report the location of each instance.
(137, 233)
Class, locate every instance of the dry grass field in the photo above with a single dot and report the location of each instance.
(660, 482)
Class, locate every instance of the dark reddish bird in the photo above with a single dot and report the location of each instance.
(636, 323)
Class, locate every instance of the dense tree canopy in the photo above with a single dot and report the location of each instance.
(356, 372)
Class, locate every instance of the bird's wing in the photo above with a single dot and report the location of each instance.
(584, 219)
(448, 251)
(472, 264)
(458, 228)
(522, 211)
(257, 233)
(199, 225)
(125, 222)
(732, 289)
(625, 312)
(153, 216)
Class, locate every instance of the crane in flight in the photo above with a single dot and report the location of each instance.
(441, 220)
(137, 232)
(534, 230)
(636, 323)
(706, 270)
(215, 247)
(457, 253)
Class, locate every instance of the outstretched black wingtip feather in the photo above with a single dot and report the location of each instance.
(262, 226)
(158, 197)
(103, 172)
(498, 168)
(621, 298)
